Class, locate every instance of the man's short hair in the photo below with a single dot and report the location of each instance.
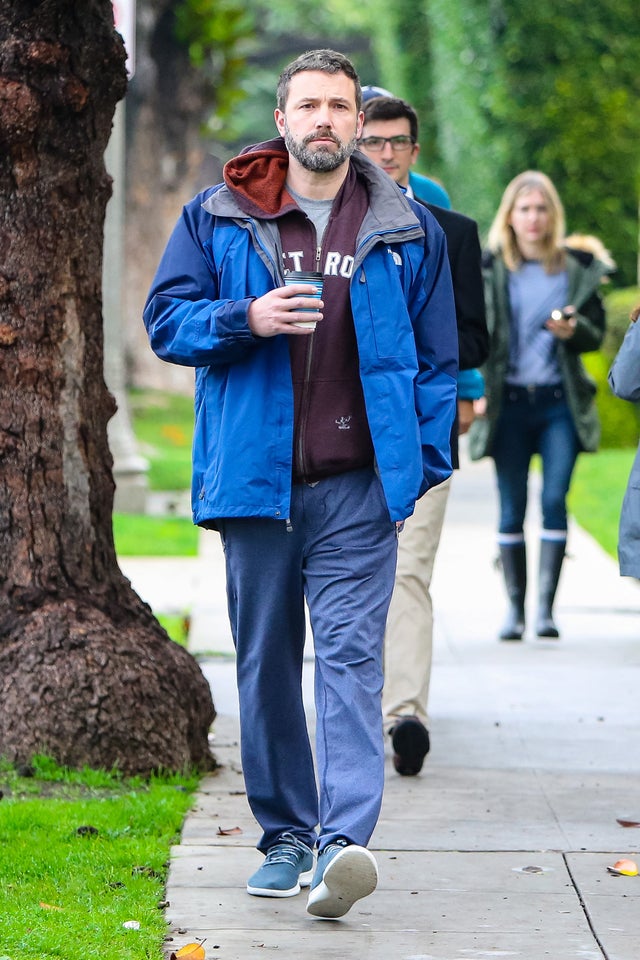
(391, 108)
(326, 61)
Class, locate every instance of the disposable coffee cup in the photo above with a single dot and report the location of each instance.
(313, 278)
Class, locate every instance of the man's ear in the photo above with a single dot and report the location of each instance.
(278, 116)
(415, 153)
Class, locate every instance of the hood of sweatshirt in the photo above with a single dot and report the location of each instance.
(257, 177)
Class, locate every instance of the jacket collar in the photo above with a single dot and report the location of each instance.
(254, 186)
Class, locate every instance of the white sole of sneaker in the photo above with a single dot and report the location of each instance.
(351, 875)
(304, 880)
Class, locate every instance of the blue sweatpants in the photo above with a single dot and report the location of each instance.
(341, 554)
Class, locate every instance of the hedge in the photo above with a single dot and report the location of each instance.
(620, 419)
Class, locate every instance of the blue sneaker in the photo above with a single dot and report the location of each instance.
(345, 873)
(287, 867)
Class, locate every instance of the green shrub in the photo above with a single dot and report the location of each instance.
(619, 419)
(619, 304)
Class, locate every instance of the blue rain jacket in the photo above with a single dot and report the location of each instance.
(218, 260)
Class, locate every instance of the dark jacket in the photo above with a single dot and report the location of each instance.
(465, 255)
(585, 275)
(624, 378)
(465, 260)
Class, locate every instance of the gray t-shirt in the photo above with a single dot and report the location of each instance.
(318, 212)
(532, 349)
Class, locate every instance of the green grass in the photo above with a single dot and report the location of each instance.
(177, 626)
(596, 494)
(163, 425)
(143, 536)
(81, 853)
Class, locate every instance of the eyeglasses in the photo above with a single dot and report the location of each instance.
(376, 144)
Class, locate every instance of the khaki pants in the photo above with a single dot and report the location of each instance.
(409, 635)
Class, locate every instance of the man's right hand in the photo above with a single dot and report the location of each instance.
(279, 310)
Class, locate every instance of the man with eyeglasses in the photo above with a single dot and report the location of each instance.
(423, 188)
(390, 139)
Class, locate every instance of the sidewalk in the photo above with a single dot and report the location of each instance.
(499, 848)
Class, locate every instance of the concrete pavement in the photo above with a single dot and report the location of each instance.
(500, 847)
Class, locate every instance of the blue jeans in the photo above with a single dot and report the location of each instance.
(534, 420)
(341, 555)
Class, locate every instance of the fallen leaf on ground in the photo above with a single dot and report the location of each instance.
(192, 951)
(49, 906)
(628, 823)
(131, 924)
(624, 868)
(228, 831)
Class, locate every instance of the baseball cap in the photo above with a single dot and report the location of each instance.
(369, 92)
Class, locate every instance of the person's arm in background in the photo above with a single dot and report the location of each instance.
(470, 389)
(468, 292)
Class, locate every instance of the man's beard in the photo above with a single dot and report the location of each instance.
(320, 159)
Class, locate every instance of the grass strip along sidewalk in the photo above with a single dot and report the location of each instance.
(597, 491)
(83, 862)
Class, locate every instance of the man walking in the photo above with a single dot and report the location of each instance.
(311, 447)
(390, 139)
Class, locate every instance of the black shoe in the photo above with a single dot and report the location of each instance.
(410, 741)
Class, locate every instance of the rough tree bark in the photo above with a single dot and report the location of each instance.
(87, 675)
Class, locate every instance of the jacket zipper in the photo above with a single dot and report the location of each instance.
(305, 389)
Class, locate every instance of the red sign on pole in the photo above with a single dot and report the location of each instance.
(124, 15)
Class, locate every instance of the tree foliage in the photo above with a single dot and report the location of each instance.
(499, 87)
(462, 70)
(566, 101)
(285, 29)
(215, 33)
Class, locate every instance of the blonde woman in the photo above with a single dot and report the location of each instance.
(543, 310)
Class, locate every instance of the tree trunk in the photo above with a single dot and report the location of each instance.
(87, 675)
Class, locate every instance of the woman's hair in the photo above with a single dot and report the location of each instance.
(502, 239)
(635, 313)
